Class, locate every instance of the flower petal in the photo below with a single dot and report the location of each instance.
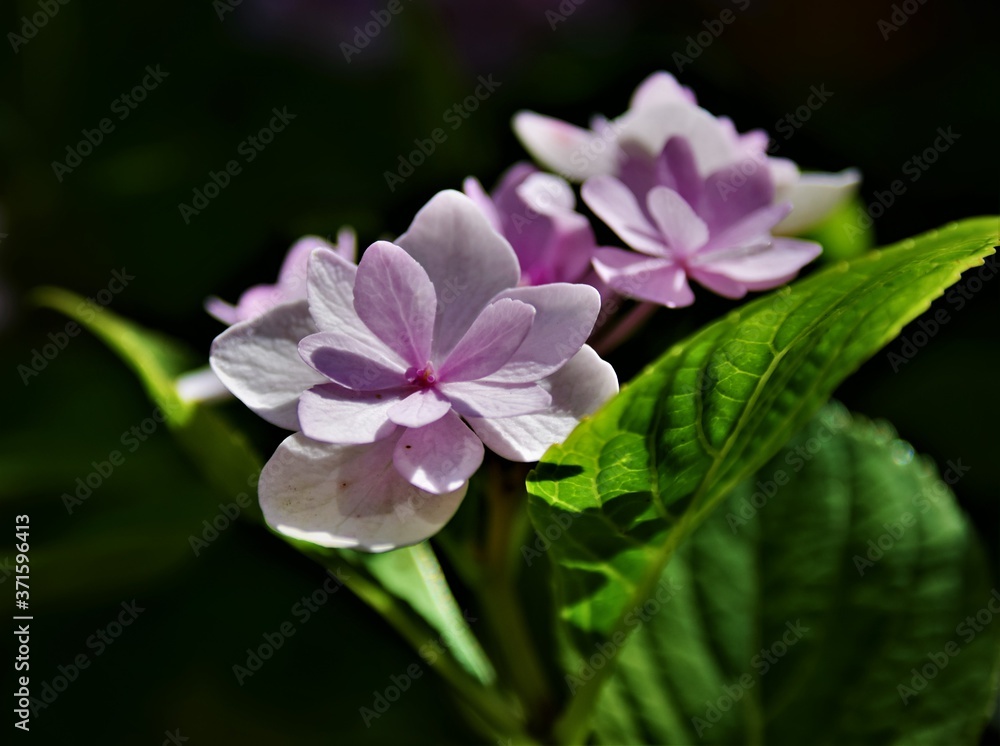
(495, 398)
(578, 389)
(420, 408)
(331, 294)
(467, 261)
(333, 414)
(474, 191)
(396, 300)
(439, 457)
(730, 194)
(349, 496)
(615, 204)
(659, 89)
(570, 151)
(359, 364)
(769, 267)
(564, 318)
(814, 196)
(258, 361)
(678, 223)
(491, 340)
(656, 280)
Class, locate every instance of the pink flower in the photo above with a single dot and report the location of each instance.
(662, 109)
(400, 369)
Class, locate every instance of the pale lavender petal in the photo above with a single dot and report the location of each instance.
(650, 127)
(495, 399)
(717, 283)
(439, 457)
(814, 197)
(570, 151)
(683, 230)
(395, 298)
(615, 204)
(334, 414)
(491, 340)
(656, 280)
(578, 389)
(331, 294)
(753, 229)
(258, 360)
(360, 364)
(347, 244)
(224, 312)
(349, 496)
(730, 194)
(659, 89)
(565, 317)
(420, 408)
(546, 194)
(467, 261)
(768, 267)
(474, 191)
(292, 278)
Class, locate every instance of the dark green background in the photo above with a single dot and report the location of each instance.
(172, 669)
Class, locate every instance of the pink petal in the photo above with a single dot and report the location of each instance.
(578, 389)
(420, 408)
(359, 364)
(656, 280)
(474, 191)
(564, 318)
(349, 496)
(491, 340)
(768, 267)
(439, 457)
(396, 300)
(683, 230)
(258, 360)
(570, 151)
(331, 294)
(615, 204)
(333, 414)
(495, 399)
(467, 261)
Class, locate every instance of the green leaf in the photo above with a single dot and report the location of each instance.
(631, 483)
(798, 612)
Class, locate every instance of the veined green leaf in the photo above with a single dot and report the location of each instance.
(825, 602)
(635, 480)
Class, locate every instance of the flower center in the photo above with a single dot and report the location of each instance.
(422, 378)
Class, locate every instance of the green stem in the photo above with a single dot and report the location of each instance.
(487, 703)
(498, 596)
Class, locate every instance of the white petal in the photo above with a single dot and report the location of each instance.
(331, 294)
(439, 457)
(813, 197)
(572, 152)
(578, 389)
(349, 496)
(258, 360)
(201, 385)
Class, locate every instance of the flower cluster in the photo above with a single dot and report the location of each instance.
(396, 372)
(469, 331)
